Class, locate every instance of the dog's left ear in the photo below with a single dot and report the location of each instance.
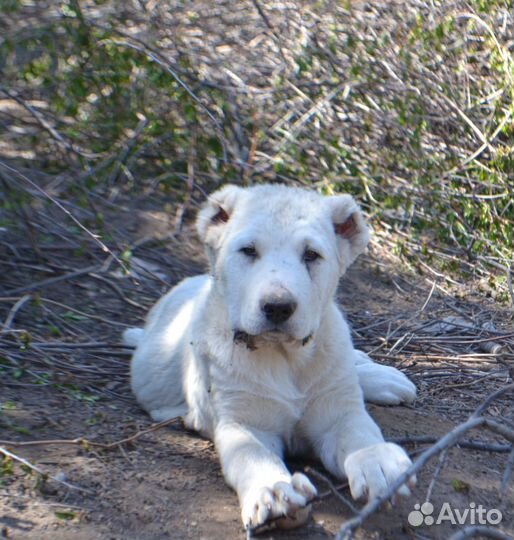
(352, 233)
(215, 213)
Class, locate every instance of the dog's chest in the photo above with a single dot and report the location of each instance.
(266, 396)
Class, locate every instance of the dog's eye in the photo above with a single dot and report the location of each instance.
(249, 251)
(310, 256)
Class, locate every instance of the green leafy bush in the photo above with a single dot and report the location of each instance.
(407, 106)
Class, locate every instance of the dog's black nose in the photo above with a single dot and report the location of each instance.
(278, 312)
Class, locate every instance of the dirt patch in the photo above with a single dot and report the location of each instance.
(64, 376)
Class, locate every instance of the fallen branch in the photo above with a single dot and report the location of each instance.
(507, 473)
(447, 441)
(50, 281)
(12, 314)
(87, 443)
(44, 194)
(333, 489)
(469, 444)
(487, 402)
(480, 530)
(435, 475)
(47, 126)
(117, 290)
(83, 313)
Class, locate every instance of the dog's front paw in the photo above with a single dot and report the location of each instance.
(287, 501)
(385, 385)
(371, 470)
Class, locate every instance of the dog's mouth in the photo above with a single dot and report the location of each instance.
(252, 342)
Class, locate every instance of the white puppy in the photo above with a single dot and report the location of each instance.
(258, 357)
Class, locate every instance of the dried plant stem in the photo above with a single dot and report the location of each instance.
(472, 531)
(35, 468)
(334, 489)
(81, 441)
(61, 207)
(12, 314)
(445, 442)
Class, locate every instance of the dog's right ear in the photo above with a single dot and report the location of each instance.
(215, 213)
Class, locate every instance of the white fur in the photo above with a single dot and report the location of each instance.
(133, 337)
(291, 386)
(384, 385)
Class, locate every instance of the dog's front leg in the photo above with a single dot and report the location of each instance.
(370, 464)
(352, 446)
(252, 465)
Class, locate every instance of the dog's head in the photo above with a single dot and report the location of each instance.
(276, 254)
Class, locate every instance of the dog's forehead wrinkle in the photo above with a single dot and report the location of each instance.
(280, 207)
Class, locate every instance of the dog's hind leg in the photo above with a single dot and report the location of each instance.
(132, 337)
(167, 413)
(383, 385)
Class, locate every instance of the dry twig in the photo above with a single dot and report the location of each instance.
(472, 531)
(447, 441)
(12, 314)
(61, 207)
(335, 490)
(35, 468)
(93, 444)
